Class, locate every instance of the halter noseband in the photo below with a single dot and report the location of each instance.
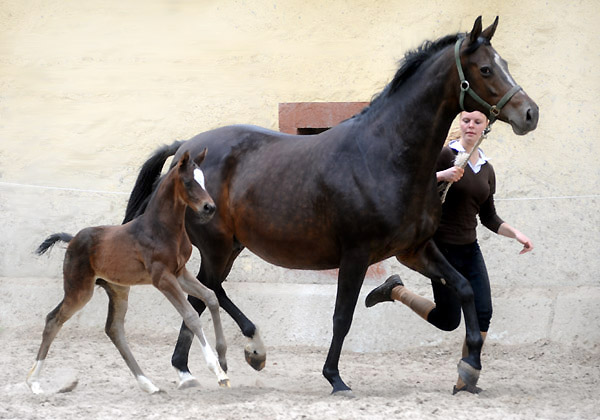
(494, 110)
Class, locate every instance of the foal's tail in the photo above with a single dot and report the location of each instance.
(146, 180)
(51, 240)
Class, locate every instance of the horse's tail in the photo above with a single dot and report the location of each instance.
(144, 185)
(51, 240)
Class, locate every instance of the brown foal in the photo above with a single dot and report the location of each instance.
(151, 249)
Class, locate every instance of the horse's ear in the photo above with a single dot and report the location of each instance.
(200, 158)
(476, 31)
(183, 160)
(488, 33)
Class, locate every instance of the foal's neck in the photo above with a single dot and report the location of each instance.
(166, 208)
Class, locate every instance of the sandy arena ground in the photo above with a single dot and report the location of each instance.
(538, 381)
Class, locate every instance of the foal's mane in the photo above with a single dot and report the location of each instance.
(409, 64)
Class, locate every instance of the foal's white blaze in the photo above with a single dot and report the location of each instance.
(504, 69)
(199, 177)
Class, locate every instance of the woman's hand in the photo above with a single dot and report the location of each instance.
(452, 174)
(527, 244)
(510, 232)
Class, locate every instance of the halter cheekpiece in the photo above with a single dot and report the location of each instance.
(493, 110)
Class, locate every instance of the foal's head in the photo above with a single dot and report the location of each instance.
(192, 189)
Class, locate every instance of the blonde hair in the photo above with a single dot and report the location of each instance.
(454, 132)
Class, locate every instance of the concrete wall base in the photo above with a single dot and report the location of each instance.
(300, 314)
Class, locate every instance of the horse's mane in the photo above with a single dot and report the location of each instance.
(408, 65)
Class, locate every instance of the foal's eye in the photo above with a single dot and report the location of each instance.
(486, 71)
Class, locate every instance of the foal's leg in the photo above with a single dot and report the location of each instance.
(193, 287)
(353, 268)
(115, 329)
(170, 287)
(429, 261)
(77, 294)
(219, 251)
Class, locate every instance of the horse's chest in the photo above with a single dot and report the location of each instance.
(408, 221)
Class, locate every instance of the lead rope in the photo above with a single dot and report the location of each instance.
(461, 161)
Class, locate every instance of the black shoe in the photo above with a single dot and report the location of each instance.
(383, 292)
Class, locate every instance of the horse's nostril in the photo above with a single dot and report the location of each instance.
(209, 208)
(528, 116)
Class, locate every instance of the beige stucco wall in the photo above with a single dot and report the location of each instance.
(89, 89)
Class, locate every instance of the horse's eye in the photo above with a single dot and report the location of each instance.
(486, 71)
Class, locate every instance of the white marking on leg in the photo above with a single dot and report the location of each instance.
(199, 177)
(146, 385)
(34, 376)
(186, 380)
(213, 362)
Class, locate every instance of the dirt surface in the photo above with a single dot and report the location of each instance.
(544, 380)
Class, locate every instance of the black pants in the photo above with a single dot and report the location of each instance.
(468, 261)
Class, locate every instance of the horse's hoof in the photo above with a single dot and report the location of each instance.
(35, 387)
(256, 361)
(224, 383)
(467, 388)
(347, 393)
(468, 373)
(186, 380)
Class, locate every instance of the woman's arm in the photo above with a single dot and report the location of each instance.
(510, 232)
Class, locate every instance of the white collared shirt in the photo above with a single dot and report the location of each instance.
(455, 144)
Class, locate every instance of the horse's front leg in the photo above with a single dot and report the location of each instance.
(353, 268)
(255, 351)
(429, 261)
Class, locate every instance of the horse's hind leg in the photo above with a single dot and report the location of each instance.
(170, 287)
(179, 359)
(115, 329)
(77, 294)
(429, 261)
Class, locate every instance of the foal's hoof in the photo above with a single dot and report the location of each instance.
(35, 387)
(255, 360)
(468, 373)
(224, 383)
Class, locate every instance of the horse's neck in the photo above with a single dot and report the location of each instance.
(166, 208)
(419, 114)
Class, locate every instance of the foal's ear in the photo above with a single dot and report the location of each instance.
(200, 158)
(488, 33)
(476, 31)
(183, 160)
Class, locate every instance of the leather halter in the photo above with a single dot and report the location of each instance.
(494, 110)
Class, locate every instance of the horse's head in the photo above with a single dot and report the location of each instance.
(486, 84)
(194, 190)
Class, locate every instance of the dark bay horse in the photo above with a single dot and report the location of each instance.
(152, 249)
(351, 196)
